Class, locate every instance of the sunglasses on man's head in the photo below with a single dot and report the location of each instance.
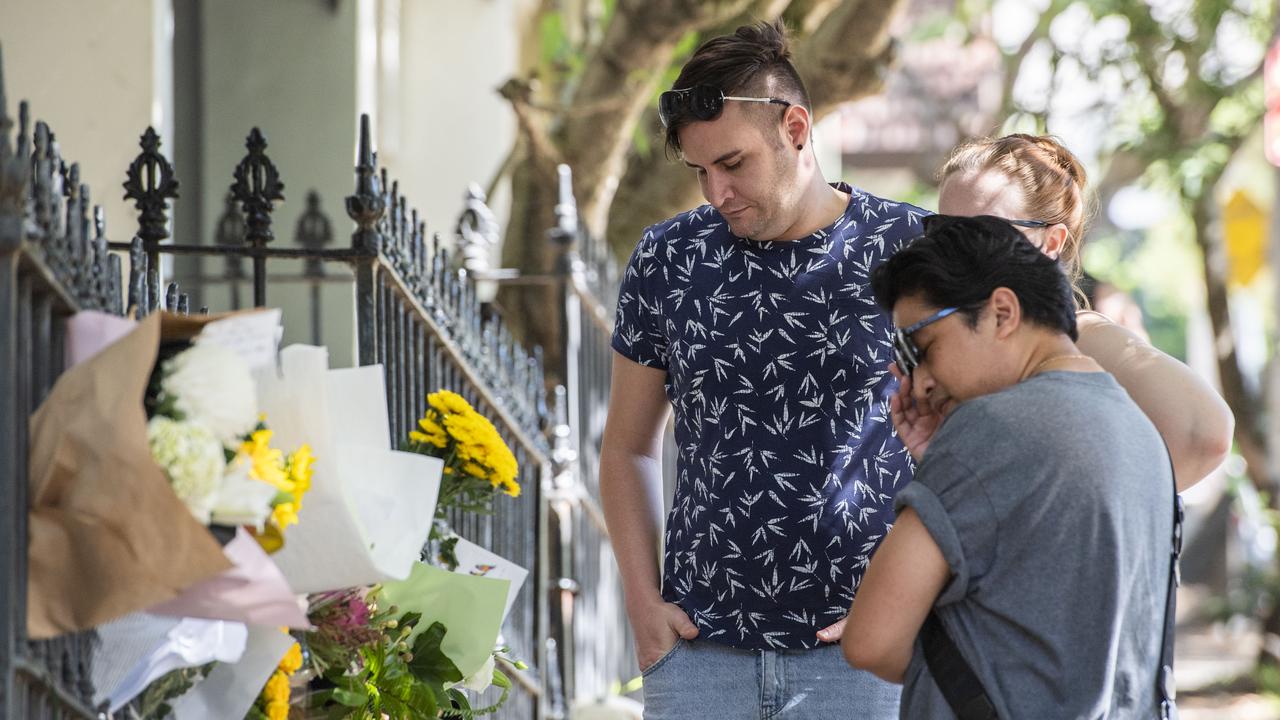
(701, 102)
(905, 353)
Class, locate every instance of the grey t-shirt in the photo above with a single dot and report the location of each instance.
(1052, 502)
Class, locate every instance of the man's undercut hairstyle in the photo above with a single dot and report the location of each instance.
(755, 61)
(960, 261)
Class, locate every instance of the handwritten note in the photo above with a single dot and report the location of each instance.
(254, 336)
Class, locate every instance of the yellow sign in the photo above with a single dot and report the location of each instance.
(1244, 227)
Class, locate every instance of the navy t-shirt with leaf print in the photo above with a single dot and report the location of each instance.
(776, 357)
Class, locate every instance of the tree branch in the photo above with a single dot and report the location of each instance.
(636, 49)
(835, 68)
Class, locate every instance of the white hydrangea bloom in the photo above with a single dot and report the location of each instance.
(211, 385)
(192, 458)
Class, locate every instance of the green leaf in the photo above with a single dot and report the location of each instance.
(429, 663)
(351, 698)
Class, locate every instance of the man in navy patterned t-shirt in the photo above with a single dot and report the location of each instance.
(752, 318)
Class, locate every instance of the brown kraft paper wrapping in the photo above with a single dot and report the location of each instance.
(107, 534)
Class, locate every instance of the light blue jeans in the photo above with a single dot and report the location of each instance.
(709, 681)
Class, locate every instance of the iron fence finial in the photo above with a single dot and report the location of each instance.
(150, 183)
(367, 205)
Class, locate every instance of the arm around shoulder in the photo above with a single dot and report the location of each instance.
(1190, 415)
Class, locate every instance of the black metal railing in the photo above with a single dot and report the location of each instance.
(601, 655)
(53, 262)
(416, 315)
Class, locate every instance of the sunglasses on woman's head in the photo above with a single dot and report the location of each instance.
(701, 102)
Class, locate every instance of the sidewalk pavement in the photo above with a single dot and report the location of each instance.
(1208, 657)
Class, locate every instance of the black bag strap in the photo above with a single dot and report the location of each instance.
(957, 681)
(963, 690)
(1166, 690)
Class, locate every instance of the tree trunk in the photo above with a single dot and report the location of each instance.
(1249, 434)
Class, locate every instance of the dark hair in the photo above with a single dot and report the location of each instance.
(960, 261)
(755, 60)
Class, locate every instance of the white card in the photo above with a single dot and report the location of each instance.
(475, 560)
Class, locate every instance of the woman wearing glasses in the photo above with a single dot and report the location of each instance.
(1037, 184)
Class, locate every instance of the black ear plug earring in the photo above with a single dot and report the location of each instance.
(800, 146)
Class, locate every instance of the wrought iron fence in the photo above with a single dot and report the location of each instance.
(603, 651)
(415, 315)
(53, 262)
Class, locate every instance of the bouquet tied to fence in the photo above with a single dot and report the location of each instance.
(206, 434)
(478, 465)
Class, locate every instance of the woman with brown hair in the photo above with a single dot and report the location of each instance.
(1037, 184)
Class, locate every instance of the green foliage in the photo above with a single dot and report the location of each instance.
(153, 703)
(389, 679)
(560, 62)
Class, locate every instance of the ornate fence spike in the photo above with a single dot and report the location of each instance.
(402, 237)
(413, 240)
(171, 297)
(566, 229)
(477, 231)
(153, 288)
(137, 277)
(314, 231)
(57, 185)
(42, 180)
(150, 184)
(257, 187)
(384, 222)
(441, 280)
(15, 164)
(366, 205)
(78, 258)
(115, 298)
(15, 172)
(101, 285)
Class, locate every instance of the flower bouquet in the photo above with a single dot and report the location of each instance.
(205, 433)
(376, 661)
(478, 465)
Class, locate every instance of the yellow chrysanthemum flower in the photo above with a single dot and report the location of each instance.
(292, 660)
(444, 401)
(511, 487)
(277, 688)
(277, 711)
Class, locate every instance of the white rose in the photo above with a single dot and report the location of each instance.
(241, 500)
(211, 385)
(481, 679)
(192, 458)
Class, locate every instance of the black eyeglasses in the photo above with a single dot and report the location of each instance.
(931, 221)
(702, 102)
(905, 353)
